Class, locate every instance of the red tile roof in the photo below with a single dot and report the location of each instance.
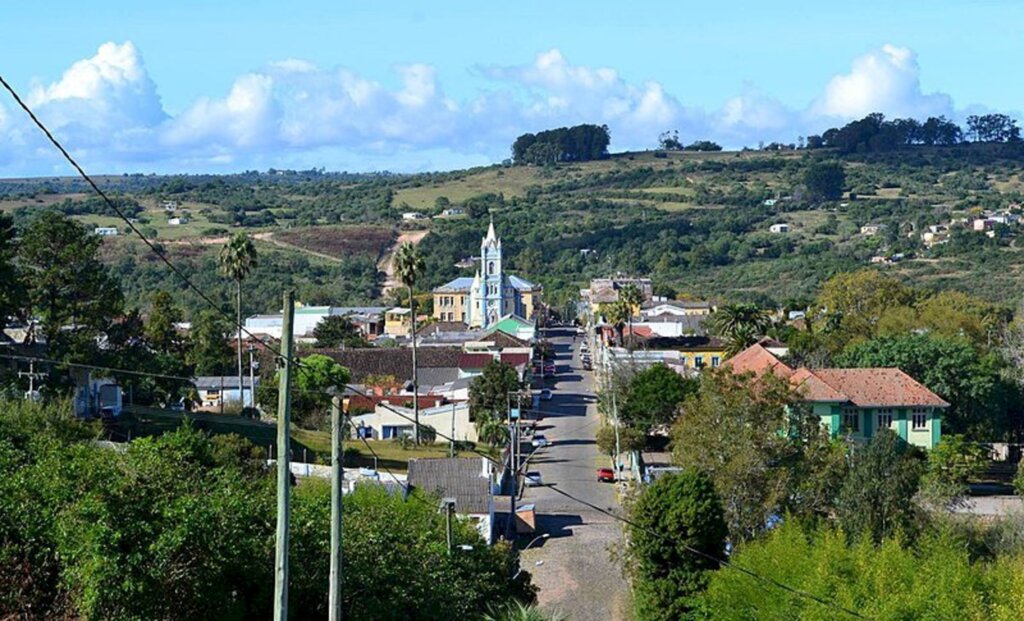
(876, 387)
(757, 360)
(474, 361)
(515, 360)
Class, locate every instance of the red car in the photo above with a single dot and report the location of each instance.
(606, 475)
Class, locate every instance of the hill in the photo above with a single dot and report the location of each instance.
(697, 223)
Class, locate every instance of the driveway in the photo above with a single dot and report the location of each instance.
(577, 577)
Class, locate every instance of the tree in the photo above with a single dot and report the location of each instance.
(972, 383)
(67, 285)
(161, 332)
(669, 141)
(632, 298)
(12, 288)
(491, 392)
(238, 258)
(628, 438)
(312, 384)
(825, 180)
(617, 314)
(676, 536)
(409, 267)
(654, 396)
(208, 352)
(852, 303)
(877, 497)
(338, 331)
(741, 325)
(703, 145)
(763, 448)
(952, 464)
(993, 128)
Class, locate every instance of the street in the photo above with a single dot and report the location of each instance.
(577, 577)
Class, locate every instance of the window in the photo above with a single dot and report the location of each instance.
(490, 267)
(919, 418)
(715, 361)
(851, 420)
(884, 418)
(698, 362)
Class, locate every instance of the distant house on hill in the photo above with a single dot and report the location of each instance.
(781, 227)
(177, 221)
(856, 403)
(105, 231)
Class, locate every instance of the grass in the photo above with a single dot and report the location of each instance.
(389, 453)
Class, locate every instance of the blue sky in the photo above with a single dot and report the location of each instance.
(197, 86)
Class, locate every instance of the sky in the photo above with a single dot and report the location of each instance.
(227, 86)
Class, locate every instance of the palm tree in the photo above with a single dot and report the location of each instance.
(409, 267)
(741, 325)
(632, 298)
(490, 428)
(237, 259)
(617, 314)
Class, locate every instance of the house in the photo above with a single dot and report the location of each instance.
(676, 307)
(393, 418)
(105, 231)
(436, 365)
(770, 202)
(397, 322)
(452, 211)
(177, 221)
(413, 215)
(98, 397)
(217, 391)
(781, 227)
(856, 403)
(871, 229)
(368, 319)
(170, 206)
(470, 482)
(492, 294)
(983, 224)
(695, 352)
(606, 291)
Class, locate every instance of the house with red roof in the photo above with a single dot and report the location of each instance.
(857, 403)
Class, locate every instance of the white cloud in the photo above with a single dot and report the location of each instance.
(884, 80)
(292, 111)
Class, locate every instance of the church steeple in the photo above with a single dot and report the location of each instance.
(492, 237)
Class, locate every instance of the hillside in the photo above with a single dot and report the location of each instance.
(697, 223)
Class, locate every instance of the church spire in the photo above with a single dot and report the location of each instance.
(491, 236)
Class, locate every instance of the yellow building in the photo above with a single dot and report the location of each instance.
(397, 322)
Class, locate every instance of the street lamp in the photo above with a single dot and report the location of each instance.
(535, 540)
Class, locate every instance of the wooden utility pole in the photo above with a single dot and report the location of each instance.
(337, 478)
(284, 408)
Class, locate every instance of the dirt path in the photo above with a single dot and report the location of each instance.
(386, 262)
(269, 237)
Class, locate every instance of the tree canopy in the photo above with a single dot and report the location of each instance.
(564, 144)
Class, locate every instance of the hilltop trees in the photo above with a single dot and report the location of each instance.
(993, 128)
(565, 144)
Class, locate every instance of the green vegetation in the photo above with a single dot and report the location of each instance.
(181, 527)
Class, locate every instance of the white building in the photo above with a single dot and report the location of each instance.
(413, 215)
(393, 421)
(781, 227)
(177, 221)
(105, 231)
(367, 318)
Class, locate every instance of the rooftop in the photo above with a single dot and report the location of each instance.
(875, 387)
(461, 478)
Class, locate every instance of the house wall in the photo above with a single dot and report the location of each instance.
(451, 307)
(397, 325)
(831, 416)
(384, 419)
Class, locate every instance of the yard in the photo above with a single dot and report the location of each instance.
(390, 454)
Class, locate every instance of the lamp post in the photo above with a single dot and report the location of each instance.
(533, 541)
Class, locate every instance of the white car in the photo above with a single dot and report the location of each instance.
(539, 441)
(533, 479)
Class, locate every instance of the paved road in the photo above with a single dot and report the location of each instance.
(577, 577)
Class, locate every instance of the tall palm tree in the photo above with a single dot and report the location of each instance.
(409, 267)
(237, 259)
(632, 298)
(741, 325)
(617, 314)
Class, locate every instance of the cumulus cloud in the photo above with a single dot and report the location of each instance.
(886, 80)
(295, 113)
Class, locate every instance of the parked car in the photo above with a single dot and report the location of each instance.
(545, 395)
(606, 475)
(533, 479)
(549, 369)
(539, 441)
(587, 366)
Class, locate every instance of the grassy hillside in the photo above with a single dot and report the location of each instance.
(698, 223)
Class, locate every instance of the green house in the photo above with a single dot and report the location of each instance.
(856, 403)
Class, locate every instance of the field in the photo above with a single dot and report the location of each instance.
(339, 241)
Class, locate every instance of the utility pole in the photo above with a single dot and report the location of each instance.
(337, 478)
(448, 505)
(284, 407)
(252, 381)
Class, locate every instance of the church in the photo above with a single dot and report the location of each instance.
(485, 299)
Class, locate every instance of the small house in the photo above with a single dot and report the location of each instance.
(105, 231)
(468, 482)
(412, 215)
(218, 391)
(397, 322)
(781, 227)
(177, 221)
(869, 230)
